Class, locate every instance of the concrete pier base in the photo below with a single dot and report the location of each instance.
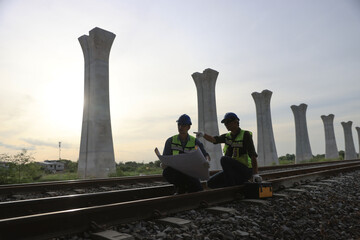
(266, 149)
(331, 150)
(96, 158)
(303, 149)
(205, 86)
(350, 152)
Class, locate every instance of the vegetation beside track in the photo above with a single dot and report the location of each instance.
(290, 158)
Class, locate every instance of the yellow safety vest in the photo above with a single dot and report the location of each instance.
(177, 148)
(237, 144)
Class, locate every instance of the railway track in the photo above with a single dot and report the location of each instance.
(41, 218)
(125, 182)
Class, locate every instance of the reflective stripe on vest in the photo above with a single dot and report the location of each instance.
(237, 144)
(177, 148)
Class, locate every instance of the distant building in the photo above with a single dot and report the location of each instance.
(53, 165)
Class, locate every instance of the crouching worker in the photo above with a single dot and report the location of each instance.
(181, 144)
(239, 162)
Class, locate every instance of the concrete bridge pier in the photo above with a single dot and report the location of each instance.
(331, 150)
(205, 86)
(96, 158)
(350, 152)
(266, 144)
(303, 149)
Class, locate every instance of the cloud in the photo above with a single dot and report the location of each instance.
(48, 143)
(38, 142)
(16, 147)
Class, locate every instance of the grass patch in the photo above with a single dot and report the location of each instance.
(319, 160)
(58, 177)
(286, 162)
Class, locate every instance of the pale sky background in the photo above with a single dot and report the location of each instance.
(304, 51)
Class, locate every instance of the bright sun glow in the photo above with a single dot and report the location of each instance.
(64, 105)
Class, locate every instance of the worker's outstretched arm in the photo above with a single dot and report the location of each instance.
(206, 136)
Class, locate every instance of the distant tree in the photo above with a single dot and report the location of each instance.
(19, 168)
(135, 168)
(69, 166)
(32, 171)
(319, 156)
(157, 163)
(129, 166)
(4, 157)
(342, 154)
(20, 160)
(5, 168)
(288, 157)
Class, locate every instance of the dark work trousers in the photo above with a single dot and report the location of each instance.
(183, 183)
(234, 173)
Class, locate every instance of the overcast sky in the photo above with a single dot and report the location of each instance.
(304, 51)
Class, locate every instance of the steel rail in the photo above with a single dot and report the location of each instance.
(295, 165)
(296, 180)
(49, 204)
(56, 185)
(280, 174)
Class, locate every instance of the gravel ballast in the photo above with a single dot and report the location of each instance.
(327, 210)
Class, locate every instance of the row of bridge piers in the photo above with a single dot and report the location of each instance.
(266, 146)
(96, 158)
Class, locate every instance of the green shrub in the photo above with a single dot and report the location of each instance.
(59, 176)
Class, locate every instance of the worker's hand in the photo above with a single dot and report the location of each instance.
(207, 164)
(257, 178)
(208, 158)
(199, 134)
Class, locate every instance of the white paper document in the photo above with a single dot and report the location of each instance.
(193, 163)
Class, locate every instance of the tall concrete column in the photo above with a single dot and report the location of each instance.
(205, 85)
(358, 132)
(350, 152)
(303, 149)
(96, 158)
(266, 143)
(331, 150)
